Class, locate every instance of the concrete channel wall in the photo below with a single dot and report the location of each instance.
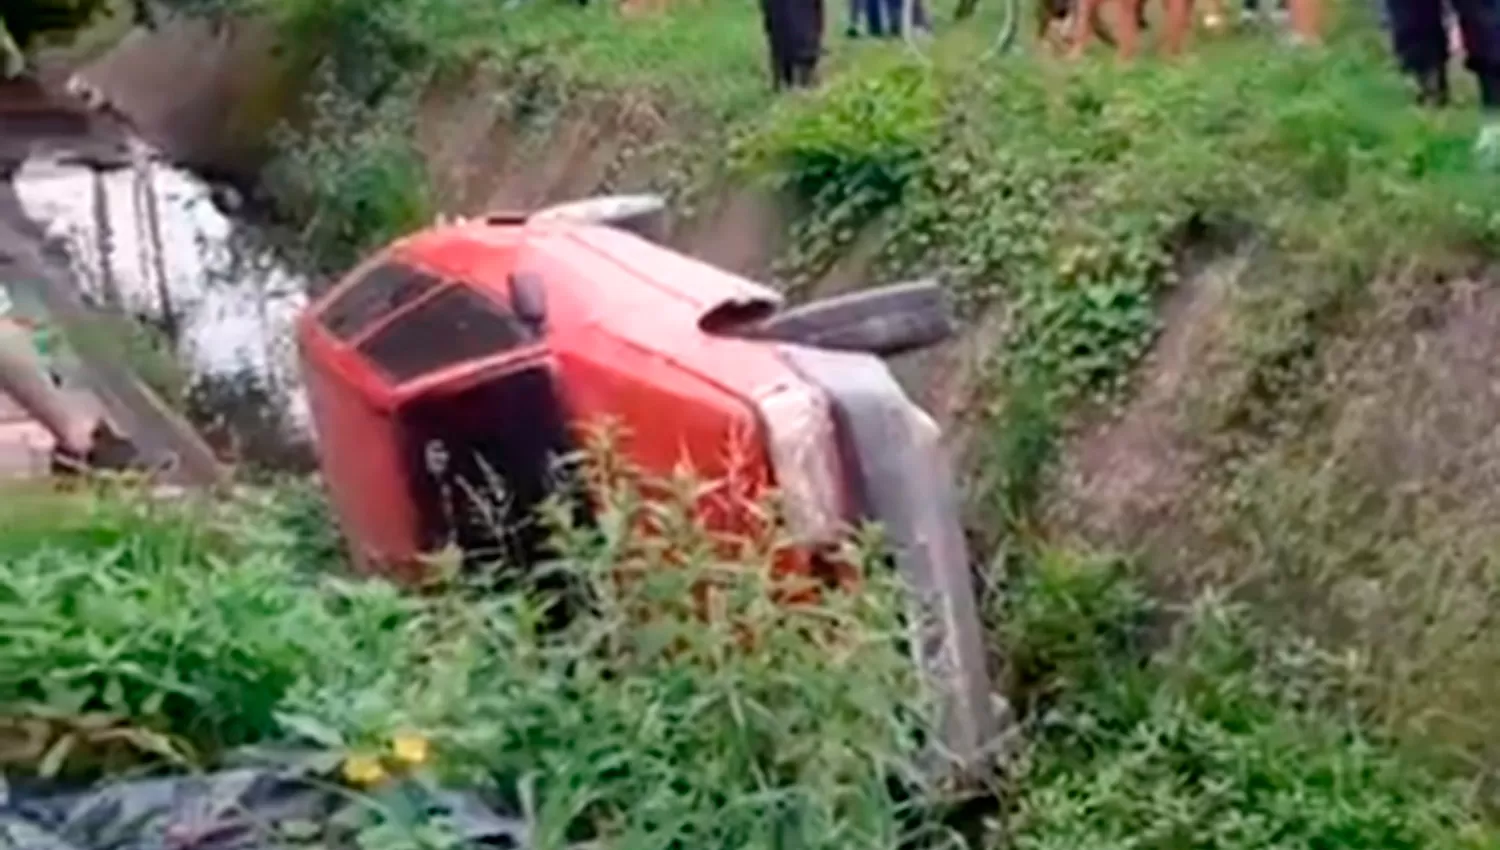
(31, 120)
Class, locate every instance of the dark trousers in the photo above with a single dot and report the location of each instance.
(794, 33)
(1421, 41)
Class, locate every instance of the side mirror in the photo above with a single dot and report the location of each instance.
(528, 299)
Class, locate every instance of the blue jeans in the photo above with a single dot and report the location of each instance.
(883, 17)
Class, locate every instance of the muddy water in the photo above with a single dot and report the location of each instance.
(151, 240)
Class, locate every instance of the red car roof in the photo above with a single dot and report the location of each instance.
(600, 280)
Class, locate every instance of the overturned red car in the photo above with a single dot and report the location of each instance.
(481, 350)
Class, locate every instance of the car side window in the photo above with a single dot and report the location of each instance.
(456, 325)
(378, 293)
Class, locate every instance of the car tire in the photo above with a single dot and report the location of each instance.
(899, 477)
(886, 321)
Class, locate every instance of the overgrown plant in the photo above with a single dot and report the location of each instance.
(694, 699)
(353, 180)
(1201, 730)
(158, 617)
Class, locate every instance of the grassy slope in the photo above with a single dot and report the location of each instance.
(1065, 196)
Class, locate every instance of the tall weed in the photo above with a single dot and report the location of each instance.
(152, 614)
(1212, 732)
(694, 698)
(643, 724)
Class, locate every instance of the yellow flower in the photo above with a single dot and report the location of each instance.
(363, 770)
(410, 748)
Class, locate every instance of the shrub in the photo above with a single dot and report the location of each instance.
(154, 615)
(1213, 733)
(641, 724)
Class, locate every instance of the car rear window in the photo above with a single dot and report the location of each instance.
(456, 325)
(379, 292)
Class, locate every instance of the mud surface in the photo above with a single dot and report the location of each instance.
(1123, 477)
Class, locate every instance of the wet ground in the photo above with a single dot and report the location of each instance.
(146, 240)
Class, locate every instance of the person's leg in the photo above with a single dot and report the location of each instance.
(1127, 28)
(919, 16)
(1421, 45)
(142, 15)
(1307, 19)
(1177, 26)
(785, 72)
(12, 60)
(813, 50)
(772, 17)
(802, 29)
(1083, 27)
(24, 377)
(1479, 21)
(896, 14)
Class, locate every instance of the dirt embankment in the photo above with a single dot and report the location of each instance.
(208, 95)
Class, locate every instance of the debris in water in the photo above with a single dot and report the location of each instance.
(151, 239)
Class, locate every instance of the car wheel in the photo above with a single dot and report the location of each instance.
(886, 321)
(899, 477)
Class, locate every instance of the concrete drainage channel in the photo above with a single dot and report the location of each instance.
(135, 236)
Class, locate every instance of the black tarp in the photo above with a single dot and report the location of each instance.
(245, 809)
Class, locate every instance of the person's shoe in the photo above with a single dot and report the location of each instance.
(1298, 41)
(1432, 89)
(1487, 144)
(108, 451)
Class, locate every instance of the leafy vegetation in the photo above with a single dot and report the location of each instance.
(191, 630)
(183, 630)
(1200, 730)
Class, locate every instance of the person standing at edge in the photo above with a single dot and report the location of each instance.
(885, 17)
(12, 60)
(1421, 42)
(794, 33)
